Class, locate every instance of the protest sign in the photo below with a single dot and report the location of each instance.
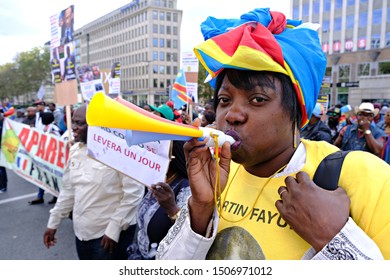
(38, 157)
(147, 163)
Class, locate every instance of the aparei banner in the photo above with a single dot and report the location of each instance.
(38, 157)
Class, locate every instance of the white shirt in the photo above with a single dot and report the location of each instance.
(103, 200)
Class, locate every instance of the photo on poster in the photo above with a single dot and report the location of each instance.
(90, 78)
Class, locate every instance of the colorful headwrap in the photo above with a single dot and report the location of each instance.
(265, 41)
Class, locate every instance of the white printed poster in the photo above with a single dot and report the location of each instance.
(147, 163)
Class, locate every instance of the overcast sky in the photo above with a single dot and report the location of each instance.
(24, 24)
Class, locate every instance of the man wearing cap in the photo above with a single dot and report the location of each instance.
(333, 121)
(316, 129)
(40, 108)
(363, 135)
(176, 113)
(163, 111)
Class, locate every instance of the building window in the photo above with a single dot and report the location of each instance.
(377, 16)
(175, 44)
(175, 30)
(155, 14)
(155, 55)
(387, 39)
(384, 68)
(305, 10)
(351, 2)
(337, 24)
(155, 42)
(175, 18)
(168, 30)
(316, 7)
(170, 4)
(344, 73)
(375, 41)
(168, 43)
(155, 69)
(169, 16)
(327, 5)
(363, 19)
(162, 56)
(388, 14)
(155, 28)
(350, 22)
(162, 84)
(296, 13)
(325, 26)
(363, 69)
(162, 69)
(162, 16)
(339, 4)
(162, 43)
(168, 70)
(155, 82)
(162, 29)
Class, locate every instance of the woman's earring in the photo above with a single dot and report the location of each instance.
(295, 137)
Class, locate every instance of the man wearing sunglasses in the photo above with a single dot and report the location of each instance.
(363, 135)
(334, 115)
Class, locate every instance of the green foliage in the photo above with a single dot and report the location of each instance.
(384, 68)
(28, 71)
(205, 91)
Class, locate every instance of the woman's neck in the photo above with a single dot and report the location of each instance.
(272, 166)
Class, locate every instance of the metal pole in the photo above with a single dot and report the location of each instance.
(87, 48)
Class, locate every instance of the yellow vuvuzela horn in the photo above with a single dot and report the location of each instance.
(106, 112)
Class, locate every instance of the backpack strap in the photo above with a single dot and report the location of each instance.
(328, 171)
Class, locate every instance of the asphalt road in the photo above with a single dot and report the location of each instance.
(22, 225)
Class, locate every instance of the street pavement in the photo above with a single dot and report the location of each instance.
(22, 225)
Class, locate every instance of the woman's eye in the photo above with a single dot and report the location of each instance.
(222, 100)
(256, 100)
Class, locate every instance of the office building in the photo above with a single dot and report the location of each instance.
(355, 35)
(144, 36)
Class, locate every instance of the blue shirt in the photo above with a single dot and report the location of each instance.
(352, 141)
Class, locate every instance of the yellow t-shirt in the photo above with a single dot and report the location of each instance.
(252, 228)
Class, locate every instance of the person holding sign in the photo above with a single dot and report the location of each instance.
(104, 202)
(256, 199)
(160, 207)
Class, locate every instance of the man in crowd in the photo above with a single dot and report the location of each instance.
(363, 135)
(104, 202)
(30, 116)
(56, 113)
(316, 129)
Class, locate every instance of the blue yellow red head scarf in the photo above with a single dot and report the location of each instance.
(262, 40)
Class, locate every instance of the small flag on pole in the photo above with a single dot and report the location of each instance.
(41, 92)
(179, 91)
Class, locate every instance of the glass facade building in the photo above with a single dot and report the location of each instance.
(355, 35)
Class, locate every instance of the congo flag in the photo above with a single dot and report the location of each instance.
(179, 91)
